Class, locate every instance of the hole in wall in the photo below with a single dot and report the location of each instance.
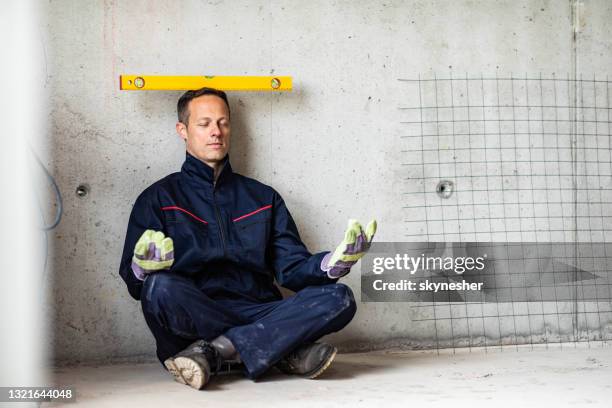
(445, 188)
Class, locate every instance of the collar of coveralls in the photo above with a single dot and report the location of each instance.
(200, 172)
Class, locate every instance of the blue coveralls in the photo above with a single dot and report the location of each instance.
(231, 239)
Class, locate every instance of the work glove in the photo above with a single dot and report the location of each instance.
(153, 252)
(355, 244)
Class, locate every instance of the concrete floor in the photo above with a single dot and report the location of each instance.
(571, 375)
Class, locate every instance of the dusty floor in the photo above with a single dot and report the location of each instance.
(574, 375)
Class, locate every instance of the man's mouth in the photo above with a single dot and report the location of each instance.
(215, 146)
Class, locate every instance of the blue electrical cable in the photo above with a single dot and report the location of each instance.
(58, 195)
(58, 215)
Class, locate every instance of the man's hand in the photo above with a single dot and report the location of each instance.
(355, 244)
(153, 252)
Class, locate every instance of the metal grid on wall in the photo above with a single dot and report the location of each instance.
(530, 161)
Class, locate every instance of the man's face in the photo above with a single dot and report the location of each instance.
(207, 135)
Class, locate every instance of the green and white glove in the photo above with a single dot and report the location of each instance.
(355, 244)
(153, 252)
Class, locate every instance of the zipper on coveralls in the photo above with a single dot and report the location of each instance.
(218, 216)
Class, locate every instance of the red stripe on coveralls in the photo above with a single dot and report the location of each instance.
(173, 207)
(252, 212)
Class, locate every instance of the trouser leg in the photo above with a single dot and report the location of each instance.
(279, 327)
(178, 313)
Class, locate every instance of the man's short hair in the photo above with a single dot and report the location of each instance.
(182, 107)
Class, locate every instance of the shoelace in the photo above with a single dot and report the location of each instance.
(210, 352)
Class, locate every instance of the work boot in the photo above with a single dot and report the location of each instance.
(195, 365)
(309, 360)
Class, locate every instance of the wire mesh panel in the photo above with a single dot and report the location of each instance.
(513, 159)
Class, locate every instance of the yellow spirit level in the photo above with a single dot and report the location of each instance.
(184, 83)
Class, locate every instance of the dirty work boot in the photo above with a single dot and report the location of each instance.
(195, 365)
(308, 360)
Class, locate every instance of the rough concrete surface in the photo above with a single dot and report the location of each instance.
(332, 147)
(560, 376)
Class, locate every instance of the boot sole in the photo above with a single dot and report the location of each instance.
(187, 371)
(324, 366)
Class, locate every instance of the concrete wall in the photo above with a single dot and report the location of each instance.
(332, 147)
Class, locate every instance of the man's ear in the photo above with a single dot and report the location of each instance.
(181, 129)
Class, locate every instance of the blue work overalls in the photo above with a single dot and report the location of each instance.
(232, 239)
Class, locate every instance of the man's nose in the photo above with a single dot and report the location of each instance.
(215, 130)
